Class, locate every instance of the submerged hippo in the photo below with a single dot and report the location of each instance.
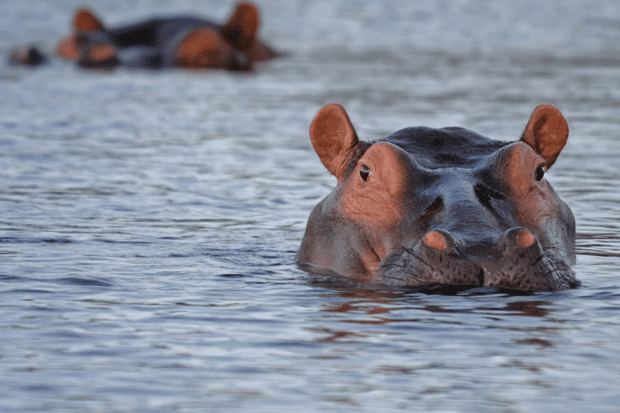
(162, 42)
(442, 207)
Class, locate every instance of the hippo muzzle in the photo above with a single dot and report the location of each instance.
(430, 208)
(516, 261)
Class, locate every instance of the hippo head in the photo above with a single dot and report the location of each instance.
(88, 45)
(442, 207)
(231, 46)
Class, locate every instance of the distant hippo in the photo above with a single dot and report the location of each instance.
(442, 207)
(161, 42)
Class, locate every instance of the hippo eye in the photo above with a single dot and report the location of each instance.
(364, 172)
(540, 173)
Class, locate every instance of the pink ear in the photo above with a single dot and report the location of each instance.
(85, 20)
(546, 132)
(241, 28)
(333, 137)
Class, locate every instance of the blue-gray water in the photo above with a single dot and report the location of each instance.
(149, 221)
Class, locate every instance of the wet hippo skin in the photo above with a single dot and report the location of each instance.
(442, 207)
(162, 42)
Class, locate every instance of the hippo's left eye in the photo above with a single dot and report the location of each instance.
(540, 173)
(364, 172)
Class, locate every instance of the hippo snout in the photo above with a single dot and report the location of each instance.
(515, 260)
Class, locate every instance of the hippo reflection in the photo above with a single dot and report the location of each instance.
(442, 207)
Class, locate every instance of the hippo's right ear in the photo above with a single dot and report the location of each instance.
(333, 137)
(85, 20)
(241, 28)
(546, 132)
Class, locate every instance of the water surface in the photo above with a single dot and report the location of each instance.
(149, 220)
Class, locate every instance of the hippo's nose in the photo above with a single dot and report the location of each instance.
(514, 238)
(512, 259)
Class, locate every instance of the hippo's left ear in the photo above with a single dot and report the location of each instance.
(240, 30)
(333, 138)
(546, 132)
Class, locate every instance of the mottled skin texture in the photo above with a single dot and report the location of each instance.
(162, 42)
(442, 207)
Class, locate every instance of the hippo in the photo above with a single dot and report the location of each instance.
(161, 42)
(448, 208)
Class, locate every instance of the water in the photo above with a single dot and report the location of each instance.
(149, 221)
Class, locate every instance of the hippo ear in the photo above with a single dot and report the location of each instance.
(546, 132)
(333, 138)
(85, 20)
(240, 30)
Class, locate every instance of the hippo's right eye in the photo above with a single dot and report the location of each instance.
(540, 173)
(364, 172)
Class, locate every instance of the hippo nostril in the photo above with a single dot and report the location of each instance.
(435, 240)
(525, 238)
(519, 237)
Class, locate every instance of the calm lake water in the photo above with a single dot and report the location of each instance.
(149, 220)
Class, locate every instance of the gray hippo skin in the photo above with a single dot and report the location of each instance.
(442, 207)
